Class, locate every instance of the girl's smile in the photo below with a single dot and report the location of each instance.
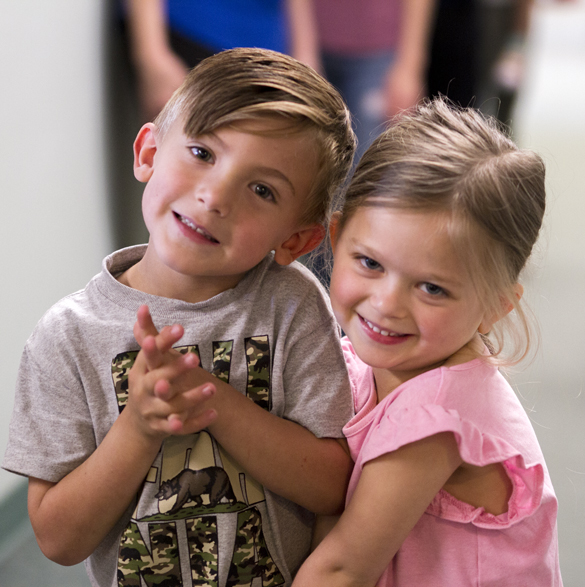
(400, 292)
(380, 335)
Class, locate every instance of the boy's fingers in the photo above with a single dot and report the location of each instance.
(188, 412)
(168, 336)
(192, 424)
(162, 390)
(144, 326)
(151, 354)
(171, 374)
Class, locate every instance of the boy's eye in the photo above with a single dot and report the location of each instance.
(369, 263)
(201, 153)
(263, 191)
(432, 289)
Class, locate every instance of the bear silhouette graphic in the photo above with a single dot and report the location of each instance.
(190, 485)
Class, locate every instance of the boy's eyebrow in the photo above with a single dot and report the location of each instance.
(265, 170)
(278, 174)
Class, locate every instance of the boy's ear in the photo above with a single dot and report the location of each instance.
(336, 216)
(507, 306)
(300, 243)
(144, 150)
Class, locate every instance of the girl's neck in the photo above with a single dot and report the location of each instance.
(387, 380)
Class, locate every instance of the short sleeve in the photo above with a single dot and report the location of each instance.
(413, 423)
(51, 431)
(318, 394)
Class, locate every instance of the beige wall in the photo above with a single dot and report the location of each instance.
(53, 212)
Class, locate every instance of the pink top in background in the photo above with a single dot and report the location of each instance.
(455, 544)
(358, 27)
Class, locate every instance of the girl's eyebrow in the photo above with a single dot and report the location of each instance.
(449, 282)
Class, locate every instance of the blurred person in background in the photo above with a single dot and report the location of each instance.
(375, 52)
(168, 37)
(503, 32)
(477, 53)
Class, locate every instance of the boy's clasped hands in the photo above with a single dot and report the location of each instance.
(168, 391)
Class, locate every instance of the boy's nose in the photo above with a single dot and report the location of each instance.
(215, 196)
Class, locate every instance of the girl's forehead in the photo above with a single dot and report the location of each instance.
(420, 239)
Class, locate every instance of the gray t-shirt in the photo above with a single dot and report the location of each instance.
(199, 519)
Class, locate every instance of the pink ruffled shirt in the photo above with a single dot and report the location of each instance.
(455, 544)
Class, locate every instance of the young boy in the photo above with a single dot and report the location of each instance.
(240, 168)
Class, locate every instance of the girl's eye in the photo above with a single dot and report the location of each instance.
(263, 191)
(369, 263)
(201, 153)
(432, 289)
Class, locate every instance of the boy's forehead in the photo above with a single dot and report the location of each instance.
(265, 125)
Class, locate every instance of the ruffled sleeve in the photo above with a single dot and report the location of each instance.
(409, 424)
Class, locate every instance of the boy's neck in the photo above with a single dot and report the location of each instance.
(163, 282)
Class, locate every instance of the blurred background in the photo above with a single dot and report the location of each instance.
(78, 78)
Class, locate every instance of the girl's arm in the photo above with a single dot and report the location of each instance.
(393, 492)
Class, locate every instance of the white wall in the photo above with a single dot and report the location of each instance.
(53, 206)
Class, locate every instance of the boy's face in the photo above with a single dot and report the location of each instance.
(215, 205)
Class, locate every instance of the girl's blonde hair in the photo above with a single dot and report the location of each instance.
(245, 84)
(459, 163)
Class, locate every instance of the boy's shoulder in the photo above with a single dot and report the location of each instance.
(290, 282)
(95, 305)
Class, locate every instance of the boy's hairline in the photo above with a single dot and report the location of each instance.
(293, 125)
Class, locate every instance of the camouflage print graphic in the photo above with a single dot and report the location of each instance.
(251, 558)
(222, 357)
(188, 349)
(258, 359)
(161, 569)
(153, 557)
(203, 551)
(122, 364)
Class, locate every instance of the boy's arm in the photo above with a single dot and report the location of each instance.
(284, 456)
(70, 518)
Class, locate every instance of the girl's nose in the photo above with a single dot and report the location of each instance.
(390, 300)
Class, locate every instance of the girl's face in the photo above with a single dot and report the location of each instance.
(400, 292)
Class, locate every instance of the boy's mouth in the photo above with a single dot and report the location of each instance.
(195, 227)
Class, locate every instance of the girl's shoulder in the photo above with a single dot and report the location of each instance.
(361, 377)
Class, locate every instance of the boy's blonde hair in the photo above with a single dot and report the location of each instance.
(461, 164)
(243, 84)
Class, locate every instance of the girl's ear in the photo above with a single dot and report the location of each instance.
(333, 225)
(506, 307)
(144, 149)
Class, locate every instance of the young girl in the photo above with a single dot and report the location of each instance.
(450, 487)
